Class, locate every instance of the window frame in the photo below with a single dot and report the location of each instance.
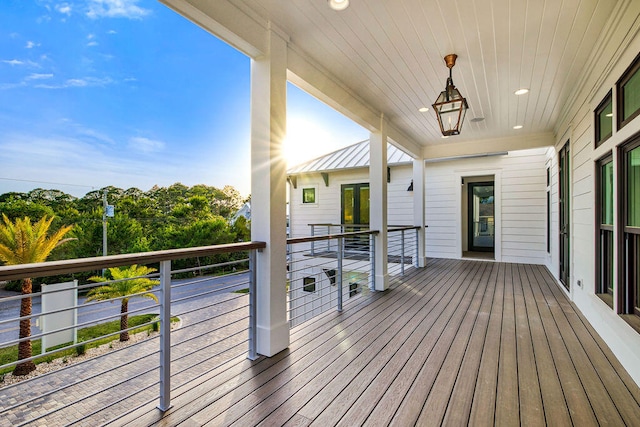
(315, 194)
(624, 79)
(599, 139)
(600, 227)
(306, 285)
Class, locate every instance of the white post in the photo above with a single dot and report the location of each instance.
(378, 203)
(418, 210)
(268, 193)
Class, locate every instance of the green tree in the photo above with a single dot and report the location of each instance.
(22, 242)
(125, 282)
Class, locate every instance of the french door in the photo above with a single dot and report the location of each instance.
(355, 215)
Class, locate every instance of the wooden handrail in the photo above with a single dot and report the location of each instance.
(53, 268)
(294, 240)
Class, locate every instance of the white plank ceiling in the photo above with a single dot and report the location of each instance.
(390, 53)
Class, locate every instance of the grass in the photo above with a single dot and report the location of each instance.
(10, 354)
(242, 291)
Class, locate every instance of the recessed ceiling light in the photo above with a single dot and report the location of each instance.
(477, 119)
(517, 127)
(521, 91)
(338, 4)
(423, 109)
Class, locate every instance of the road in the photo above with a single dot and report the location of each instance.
(181, 292)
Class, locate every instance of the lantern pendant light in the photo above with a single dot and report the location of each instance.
(451, 106)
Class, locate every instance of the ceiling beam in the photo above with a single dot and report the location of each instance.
(521, 142)
(240, 28)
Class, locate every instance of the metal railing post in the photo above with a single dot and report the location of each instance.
(313, 246)
(372, 258)
(417, 260)
(252, 306)
(329, 240)
(165, 336)
(339, 256)
(402, 253)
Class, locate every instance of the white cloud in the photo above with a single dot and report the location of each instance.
(145, 145)
(64, 8)
(90, 44)
(31, 45)
(14, 62)
(112, 32)
(116, 9)
(84, 82)
(37, 76)
(91, 36)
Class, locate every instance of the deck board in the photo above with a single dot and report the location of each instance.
(458, 343)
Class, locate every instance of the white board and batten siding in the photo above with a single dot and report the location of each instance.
(520, 198)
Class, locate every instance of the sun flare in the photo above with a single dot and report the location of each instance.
(305, 140)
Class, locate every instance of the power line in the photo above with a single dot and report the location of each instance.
(47, 182)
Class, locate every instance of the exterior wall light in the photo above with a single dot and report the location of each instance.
(451, 106)
(338, 4)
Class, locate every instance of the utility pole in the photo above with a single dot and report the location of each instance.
(107, 212)
(104, 223)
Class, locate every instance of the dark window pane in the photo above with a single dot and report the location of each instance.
(631, 95)
(309, 284)
(604, 120)
(606, 203)
(633, 185)
(308, 195)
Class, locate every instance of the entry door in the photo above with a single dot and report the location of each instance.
(565, 212)
(481, 216)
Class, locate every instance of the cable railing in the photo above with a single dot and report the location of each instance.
(100, 377)
(327, 270)
(336, 264)
(402, 248)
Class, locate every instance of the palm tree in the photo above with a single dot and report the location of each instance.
(22, 242)
(121, 288)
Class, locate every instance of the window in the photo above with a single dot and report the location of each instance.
(630, 233)
(308, 195)
(628, 91)
(604, 120)
(604, 229)
(309, 284)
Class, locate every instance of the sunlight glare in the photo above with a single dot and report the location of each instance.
(305, 140)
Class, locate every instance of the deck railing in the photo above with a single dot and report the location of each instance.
(336, 264)
(217, 325)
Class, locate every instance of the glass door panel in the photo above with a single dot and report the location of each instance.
(481, 217)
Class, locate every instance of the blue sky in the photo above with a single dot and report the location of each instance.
(128, 93)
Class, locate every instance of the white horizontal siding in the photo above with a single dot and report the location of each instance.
(522, 198)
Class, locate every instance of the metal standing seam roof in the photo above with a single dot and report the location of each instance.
(351, 157)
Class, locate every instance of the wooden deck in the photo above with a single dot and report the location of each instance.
(458, 343)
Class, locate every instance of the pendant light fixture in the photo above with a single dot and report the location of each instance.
(451, 106)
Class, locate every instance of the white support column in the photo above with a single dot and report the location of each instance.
(378, 203)
(419, 209)
(268, 193)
